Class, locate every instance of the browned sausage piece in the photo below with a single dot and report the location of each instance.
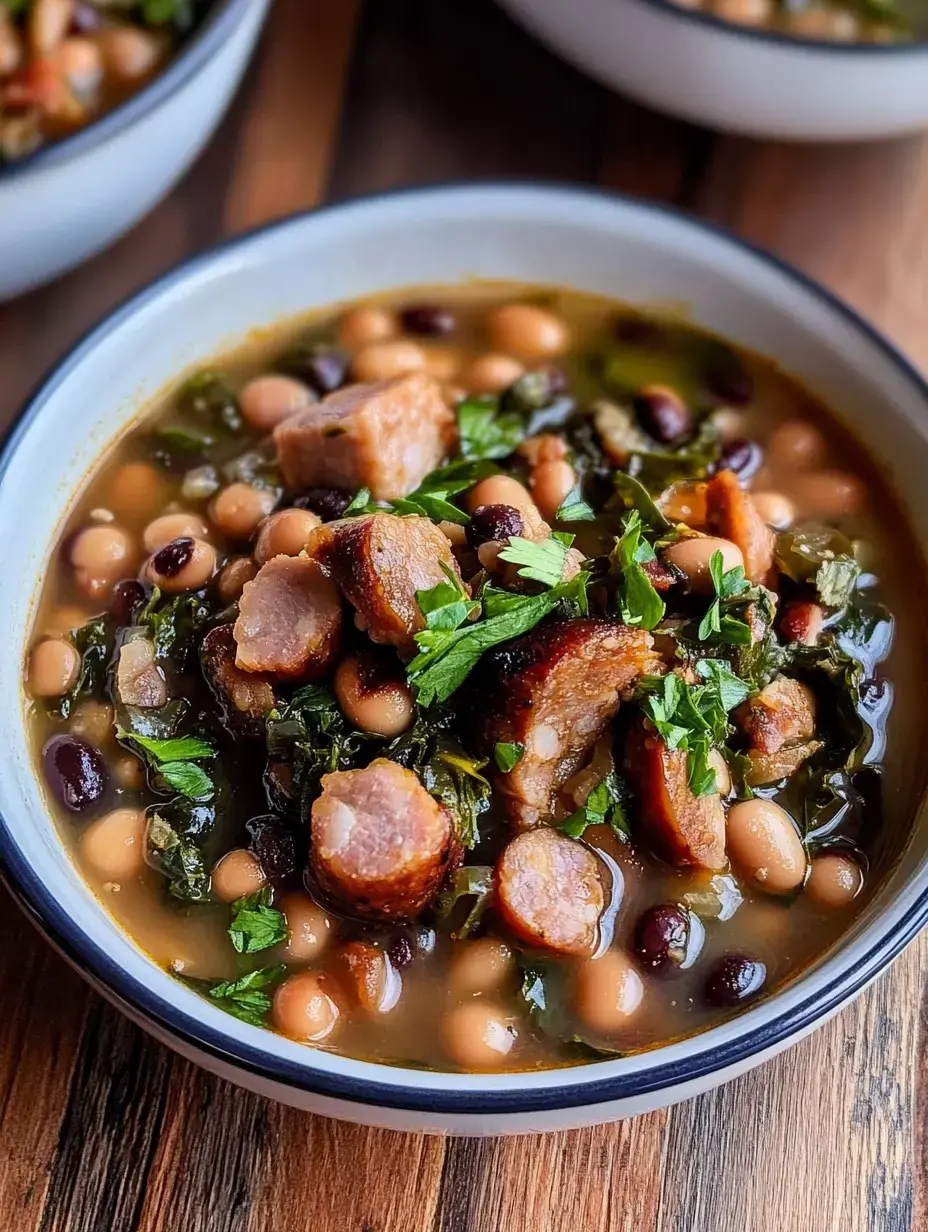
(549, 891)
(385, 436)
(139, 681)
(553, 691)
(732, 514)
(802, 622)
(780, 715)
(289, 620)
(380, 562)
(244, 698)
(685, 829)
(380, 845)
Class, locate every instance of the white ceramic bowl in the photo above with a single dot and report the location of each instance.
(74, 197)
(736, 78)
(585, 239)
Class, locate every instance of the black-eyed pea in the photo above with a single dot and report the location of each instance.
(182, 564)
(268, 400)
(490, 374)
(829, 494)
(285, 533)
(129, 53)
(764, 845)
(93, 721)
(382, 361)
(834, 880)
(528, 332)
(136, 490)
(80, 62)
(113, 847)
(478, 1035)
(796, 445)
(360, 327)
(236, 874)
(239, 509)
(372, 697)
(480, 966)
(101, 555)
(233, 576)
(551, 484)
(47, 24)
(173, 526)
(607, 992)
(776, 509)
(309, 928)
(53, 668)
(304, 1010)
(128, 773)
(692, 557)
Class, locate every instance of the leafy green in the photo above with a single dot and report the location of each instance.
(575, 509)
(728, 585)
(607, 802)
(471, 881)
(446, 771)
(694, 717)
(633, 495)
(245, 997)
(657, 469)
(175, 439)
(446, 656)
(542, 562)
(311, 733)
(176, 624)
(638, 601)
(432, 498)
(189, 779)
(174, 852)
(174, 758)
(446, 605)
(836, 581)
(180, 748)
(485, 430)
(361, 503)
(204, 395)
(95, 643)
(507, 755)
(255, 924)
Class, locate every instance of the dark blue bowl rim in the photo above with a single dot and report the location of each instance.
(212, 34)
(779, 38)
(50, 917)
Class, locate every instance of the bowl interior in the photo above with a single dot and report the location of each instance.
(584, 240)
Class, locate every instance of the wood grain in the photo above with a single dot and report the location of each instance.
(102, 1130)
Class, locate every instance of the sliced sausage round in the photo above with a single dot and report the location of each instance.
(380, 845)
(549, 891)
(289, 620)
(244, 698)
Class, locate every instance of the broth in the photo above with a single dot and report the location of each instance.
(428, 985)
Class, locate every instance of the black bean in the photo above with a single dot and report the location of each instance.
(663, 415)
(427, 320)
(173, 557)
(326, 371)
(635, 331)
(662, 937)
(400, 952)
(326, 503)
(272, 844)
(734, 979)
(490, 523)
(126, 597)
(742, 456)
(727, 381)
(86, 18)
(75, 771)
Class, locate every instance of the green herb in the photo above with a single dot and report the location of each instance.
(205, 395)
(181, 748)
(447, 605)
(638, 601)
(575, 509)
(657, 469)
(529, 392)
(177, 439)
(472, 881)
(485, 431)
(245, 997)
(728, 585)
(446, 656)
(446, 771)
(255, 924)
(542, 562)
(190, 780)
(361, 503)
(432, 498)
(176, 624)
(694, 717)
(607, 802)
(633, 495)
(507, 755)
(313, 736)
(179, 858)
(836, 581)
(94, 642)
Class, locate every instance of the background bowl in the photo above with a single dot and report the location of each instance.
(64, 203)
(584, 239)
(737, 78)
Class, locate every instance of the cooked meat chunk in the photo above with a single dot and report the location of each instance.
(549, 891)
(139, 680)
(771, 767)
(380, 562)
(802, 621)
(385, 436)
(781, 715)
(289, 620)
(243, 698)
(553, 691)
(732, 514)
(660, 577)
(684, 829)
(380, 845)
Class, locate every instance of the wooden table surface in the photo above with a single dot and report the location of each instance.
(101, 1129)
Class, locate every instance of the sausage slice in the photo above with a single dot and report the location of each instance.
(686, 829)
(379, 562)
(244, 698)
(139, 680)
(385, 436)
(380, 845)
(731, 514)
(554, 691)
(549, 891)
(780, 715)
(289, 620)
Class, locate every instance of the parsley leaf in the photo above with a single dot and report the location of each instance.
(244, 998)
(574, 509)
(638, 601)
(447, 605)
(187, 778)
(507, 755)
(607, 802)
(360, 503)
(179, 859)
(180, 748)
(432, 498)
(542, 562)
(728, 585)
(487, 432)
(633, 495)
(255, 924)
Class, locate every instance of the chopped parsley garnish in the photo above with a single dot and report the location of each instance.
(607, 802)
(255, 924)
(432, 498)
(542, 562)
(575, 509)
(694, 717)
(638, 601)
(487, 432)
(245, 997)
(507, 755)
(174, 760)
(728, 585)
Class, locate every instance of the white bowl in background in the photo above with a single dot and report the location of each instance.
(73, 197)
(583, 239)
(740, 79)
